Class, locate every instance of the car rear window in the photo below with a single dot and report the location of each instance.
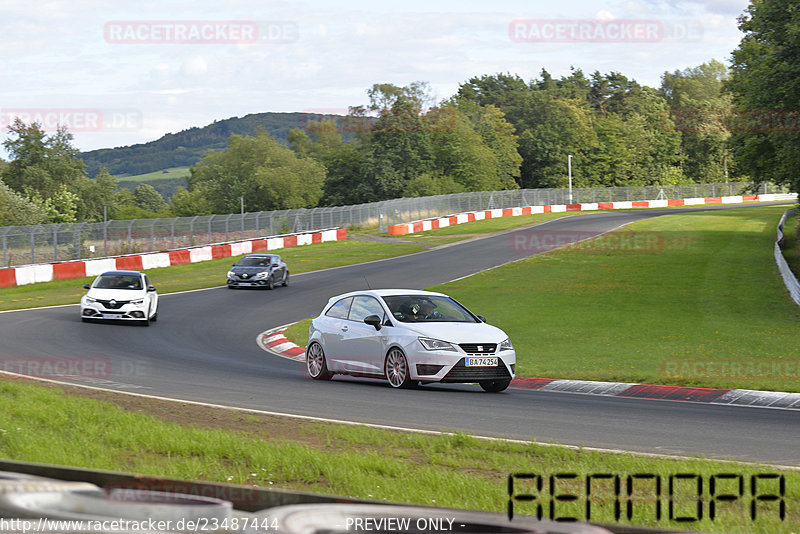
(340, 309)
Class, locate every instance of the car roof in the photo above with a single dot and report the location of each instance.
(259, 255)
(121, 272)
(388, 293)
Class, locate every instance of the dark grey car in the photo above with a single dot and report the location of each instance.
(258, 270)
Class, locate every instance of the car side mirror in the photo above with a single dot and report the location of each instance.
(275, 264)
(233, 265)
(373, 320)
(151, 288)
(87, 286)
(481, 318)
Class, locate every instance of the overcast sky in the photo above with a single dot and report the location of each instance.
(124, 72)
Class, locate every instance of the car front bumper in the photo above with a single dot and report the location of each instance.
(449, 366)
(128, 312)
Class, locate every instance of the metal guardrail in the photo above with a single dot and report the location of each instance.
(789, 279)
(52, 243)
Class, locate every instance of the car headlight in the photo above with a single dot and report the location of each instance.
(230, 274)
(436, 344)
(137, 302)
(89, 300)
(262, 274)
(506, 345)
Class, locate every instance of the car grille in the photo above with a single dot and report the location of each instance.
(117, 304)
(462, 373)
(478, 348)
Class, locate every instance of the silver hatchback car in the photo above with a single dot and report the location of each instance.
(408, 337)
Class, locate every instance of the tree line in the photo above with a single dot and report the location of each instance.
(497, 132)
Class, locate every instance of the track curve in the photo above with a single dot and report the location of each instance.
(203, 349)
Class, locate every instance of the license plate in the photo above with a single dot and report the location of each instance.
(245, 284)
(112, 315)
(481, 362)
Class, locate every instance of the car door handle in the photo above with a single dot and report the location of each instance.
(344, 328)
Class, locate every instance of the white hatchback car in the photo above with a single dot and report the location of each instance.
(408, 337)
(120, 295)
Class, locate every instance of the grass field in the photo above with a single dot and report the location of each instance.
(690, 299)
(120, 433)
(172, 172)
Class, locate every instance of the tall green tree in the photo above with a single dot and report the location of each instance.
(700, 109)
(265, 173)
(148, 198)
(765, 82)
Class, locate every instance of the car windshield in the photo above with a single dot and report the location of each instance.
(119, 281)
(427, 309)
(254, 261)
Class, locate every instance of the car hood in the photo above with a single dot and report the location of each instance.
(457, 332)
(116, 294)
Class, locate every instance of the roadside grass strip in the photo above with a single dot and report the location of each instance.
(84, 428)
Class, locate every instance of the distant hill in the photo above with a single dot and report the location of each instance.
(189, 146)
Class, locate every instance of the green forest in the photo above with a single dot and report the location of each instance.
(707, 123)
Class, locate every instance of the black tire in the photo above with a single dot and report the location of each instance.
(84, 320)
(286, 278)
(231, 287)
(270, 283)
(316, 365)
(154, 318)
(495, 386)
(397, 370)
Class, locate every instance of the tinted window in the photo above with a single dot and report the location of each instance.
(427, 309)
(340, 309)
(363, 307)
(119, 281)
(254, 261)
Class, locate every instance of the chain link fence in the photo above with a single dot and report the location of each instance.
(47, 243)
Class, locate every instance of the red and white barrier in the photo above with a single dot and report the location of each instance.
(31, 274)
(459, 218)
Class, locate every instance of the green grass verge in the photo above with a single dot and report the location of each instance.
(164, 174)
(456, 471)
(698, 303)
(208, 273)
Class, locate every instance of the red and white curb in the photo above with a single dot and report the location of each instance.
(30, 274)
(274, 341)
(460, 218)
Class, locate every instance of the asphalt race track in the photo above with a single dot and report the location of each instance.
(203, 348)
